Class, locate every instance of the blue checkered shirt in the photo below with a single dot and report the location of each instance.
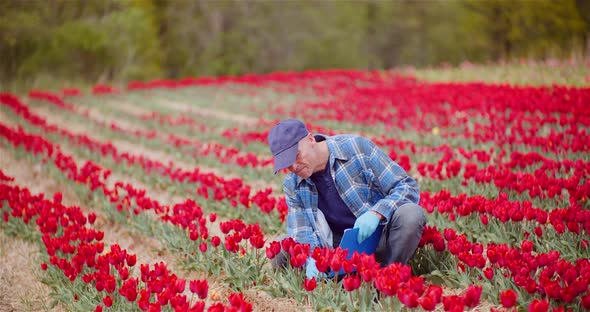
(366, 179)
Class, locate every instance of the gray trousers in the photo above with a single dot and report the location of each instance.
(399, 239)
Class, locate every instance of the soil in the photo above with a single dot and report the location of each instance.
(210, 112)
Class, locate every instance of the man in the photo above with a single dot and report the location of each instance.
(345, 181)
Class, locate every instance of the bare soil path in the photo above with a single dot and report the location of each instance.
(21, 288)
(182, 107)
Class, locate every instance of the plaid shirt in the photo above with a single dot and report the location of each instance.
(366, 179)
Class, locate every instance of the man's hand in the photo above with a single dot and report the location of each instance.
(367, 224)
(311, 270)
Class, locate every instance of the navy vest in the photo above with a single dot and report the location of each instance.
(337, 213)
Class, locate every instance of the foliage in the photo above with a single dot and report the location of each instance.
(115, 41)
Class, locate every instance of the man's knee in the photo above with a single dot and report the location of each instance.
(410, 215)
(282, 259)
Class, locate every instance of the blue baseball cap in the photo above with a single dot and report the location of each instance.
(283, 140)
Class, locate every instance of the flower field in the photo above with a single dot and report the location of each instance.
(160, 196)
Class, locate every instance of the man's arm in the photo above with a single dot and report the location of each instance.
(298, 225)
(393, 181)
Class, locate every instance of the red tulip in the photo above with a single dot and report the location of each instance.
(586, 302)
(408, 297)
(108, 301)
(131, 260)
(526, 246)
(539, 306)
(336, 263)
(238, 301)
(427, 303)
(203, 247)
(309, 284)
(123, 273)
(193, 235)
(199, 306)
(484, 219)
(472, 296)
(199, 287)
(489, 273)
(215, 241)
(91, 218)
(351, 282)
(453, 303)
(257, 241)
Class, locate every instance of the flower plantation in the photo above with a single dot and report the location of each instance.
(503, 172)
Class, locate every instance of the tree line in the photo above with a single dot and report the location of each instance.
(117, 40)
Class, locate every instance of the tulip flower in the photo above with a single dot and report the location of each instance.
(508, 298)
(351, 282)
(309, 284)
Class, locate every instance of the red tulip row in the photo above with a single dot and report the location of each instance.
(574, 219)
(451, 164)
(79, 254)
(456, 105)
(394, 280)
(235, 189)
(448, 166)
(542, 273)
(287, 82)
(543, 183)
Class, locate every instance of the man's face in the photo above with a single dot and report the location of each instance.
(304, 163)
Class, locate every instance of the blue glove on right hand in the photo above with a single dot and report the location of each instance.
(310, 268)
(367, 224)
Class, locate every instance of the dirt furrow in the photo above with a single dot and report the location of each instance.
(21, 288)
(182, 107)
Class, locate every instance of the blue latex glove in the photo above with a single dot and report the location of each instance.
(367, 224)
(310, 268)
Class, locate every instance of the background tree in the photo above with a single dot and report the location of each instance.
(583, 8)
(120, 40)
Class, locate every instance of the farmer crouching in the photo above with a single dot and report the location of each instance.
(340, 182)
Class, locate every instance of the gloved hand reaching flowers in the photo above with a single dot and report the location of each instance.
(367, 224)
(311, 269)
